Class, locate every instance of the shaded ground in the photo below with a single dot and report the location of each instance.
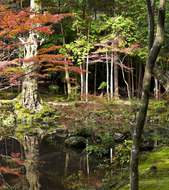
(154, 170)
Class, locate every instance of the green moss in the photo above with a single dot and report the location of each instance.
(7, 117)
(157, 180)
(158, 158)
(25, 116)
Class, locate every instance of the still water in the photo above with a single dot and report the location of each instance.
(46, 166)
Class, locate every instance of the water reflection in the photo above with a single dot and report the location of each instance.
(62, 168)
(35, 164)
(31, 144)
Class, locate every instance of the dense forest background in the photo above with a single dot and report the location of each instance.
(105, 45)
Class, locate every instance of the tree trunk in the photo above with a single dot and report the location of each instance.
(67, 77)
(140, 121)
(156, 89)
(95, 79)
(132, 81)
(125, 81)
(81, 82)
(35, 5)
(107, 74)
(29, 95)
(87, 77)
(111, 77)
(116, 76)
(139, 86)
(31, 145)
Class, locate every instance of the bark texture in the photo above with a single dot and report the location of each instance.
(29, 95)
(140, 121)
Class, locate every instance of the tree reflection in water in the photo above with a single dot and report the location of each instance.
(35, 164)
(18, 163)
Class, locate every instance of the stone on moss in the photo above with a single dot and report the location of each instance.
(76, 142)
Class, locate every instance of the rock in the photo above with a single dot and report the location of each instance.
(57, 135)
(147, 145)
(61, 132)
(76, 142)
(119, 137)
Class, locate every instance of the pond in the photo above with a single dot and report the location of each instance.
(40, 165)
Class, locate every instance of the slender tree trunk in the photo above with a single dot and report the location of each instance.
(67, 77)
(95, 79)
(132, 81)
(156, 89)
(140, 121)
(107, 74)
(87, 77)
(35, 5)
(82, 82)
(129, 79)
(139, 86)
(125, 81)
(29, 96)
(111, 77)
(21, 4)
(116, 76)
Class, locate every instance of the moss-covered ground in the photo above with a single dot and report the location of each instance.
(154, 170)
(99, 116)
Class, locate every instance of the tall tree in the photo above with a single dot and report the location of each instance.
(29, 96)
(155, 46)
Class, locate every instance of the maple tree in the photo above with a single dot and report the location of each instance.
(23, 51)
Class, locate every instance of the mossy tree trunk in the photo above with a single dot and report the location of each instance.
(140, 121)
(29, 95)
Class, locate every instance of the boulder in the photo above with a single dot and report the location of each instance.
(119, 137)
(76, 142)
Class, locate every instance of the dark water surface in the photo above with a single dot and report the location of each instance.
(51, 167)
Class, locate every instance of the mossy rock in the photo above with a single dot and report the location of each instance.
(75, 142)
(7, 117)
(45, 115)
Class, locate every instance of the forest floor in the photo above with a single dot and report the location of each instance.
(100, 118)
(154, 170)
